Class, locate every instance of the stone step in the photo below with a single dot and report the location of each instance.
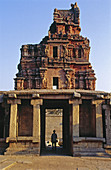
(2, 159)
(7, 164)
(91, 153)
(21, 151)
(89, 149)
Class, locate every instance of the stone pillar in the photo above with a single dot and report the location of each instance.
(36, 119)
(99, 123)
(107, 123)
(13, 118)
(75, 112)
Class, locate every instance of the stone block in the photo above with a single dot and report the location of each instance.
(14, 101)
(36, 102)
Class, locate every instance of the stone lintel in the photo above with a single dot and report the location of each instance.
(36, 102)
(87, 97)
(14, 101)
(65, 96)
(75, 101)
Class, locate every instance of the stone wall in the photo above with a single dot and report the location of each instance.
(25, 119)
(87, 119)
(55, 73)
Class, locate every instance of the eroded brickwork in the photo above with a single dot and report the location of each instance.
(63, 54)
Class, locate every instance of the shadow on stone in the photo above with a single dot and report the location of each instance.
(48, 151)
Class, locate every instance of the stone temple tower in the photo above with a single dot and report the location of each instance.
(80, 115)
(60, 60)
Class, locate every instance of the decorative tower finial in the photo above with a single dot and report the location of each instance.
(74, 5)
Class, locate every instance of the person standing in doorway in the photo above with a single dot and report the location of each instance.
(54, 139)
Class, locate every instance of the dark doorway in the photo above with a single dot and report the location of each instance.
(55, 51)
(64, 145)
(55, 82)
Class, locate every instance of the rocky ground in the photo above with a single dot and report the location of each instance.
(54, 162)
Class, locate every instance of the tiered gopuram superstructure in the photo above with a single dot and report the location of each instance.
(61, 60)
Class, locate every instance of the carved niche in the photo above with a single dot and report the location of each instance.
(68, 80)
(43, 80)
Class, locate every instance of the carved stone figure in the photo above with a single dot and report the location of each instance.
(44, 83)
(68, 80)
(65, 51)
(43, 80)
(73, 81)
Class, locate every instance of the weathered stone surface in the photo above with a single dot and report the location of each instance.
(107, 114)
(56, 74)
(63, 55)
(7, 164)
(99, 122)
(13, 121)
(35, 102)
